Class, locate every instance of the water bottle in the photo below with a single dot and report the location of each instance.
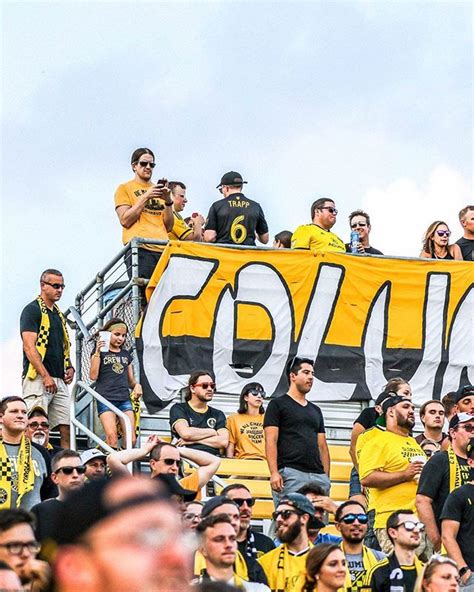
(355, 239)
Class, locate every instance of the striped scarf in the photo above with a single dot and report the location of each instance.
(23, 481)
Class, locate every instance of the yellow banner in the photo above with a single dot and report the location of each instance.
(243, 314)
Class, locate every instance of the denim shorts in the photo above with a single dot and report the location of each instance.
(122, 405)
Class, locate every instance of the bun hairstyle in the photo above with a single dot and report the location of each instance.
(193, 378)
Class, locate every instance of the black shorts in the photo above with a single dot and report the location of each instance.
(147, 261)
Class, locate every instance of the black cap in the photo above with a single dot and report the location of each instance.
(216, 502)
(383, 396)
(231, 178)
(173, 487)
(467, 390)
(393, 400)
(470, 448)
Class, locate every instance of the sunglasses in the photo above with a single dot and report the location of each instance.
(256, 393)
(37, 424)
(81, 469)
(356, 224)
(169, 462)
(144, 164)
(284, 514)
(330, 209)
(55, 286)
(206, 385)
(351, 518)
(16, 548)
(240, 501)
(443, 232)
(469, 428)
(410, 525)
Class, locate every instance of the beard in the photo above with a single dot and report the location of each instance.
(291, 533)
(405, 422)
(355, 538)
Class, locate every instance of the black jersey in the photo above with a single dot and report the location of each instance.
(236, 219)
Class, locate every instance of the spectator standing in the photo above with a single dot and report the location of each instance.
(47, 367)
(432, 416)
(235, 219)
(458, 525)
(401, 568)
(19, 548)
(144, 210)
(325, 569)
(113, 372)
(449, 405)
(38, 430)
(181, 231)
(295, 438)
(389, 465)
(466, 242)
(352, 523)
(219, 548)
(282, 240)
(195, 423)
(95, 462)
(440, 574)
(285, 566)
(317, 236)
(246, 434)
(359, 221)
(436, 243)
(25, 466)
(68, 476)
(464, 399)
(250, 542)
(443, 473)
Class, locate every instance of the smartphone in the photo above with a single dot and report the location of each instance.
(162, 182)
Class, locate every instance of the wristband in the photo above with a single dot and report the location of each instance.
(96, 355)
(168, 204)
(463, 571)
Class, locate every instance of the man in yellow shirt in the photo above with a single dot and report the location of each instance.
(181, 231)
(317, 236)
(390, 464)
(144, 210)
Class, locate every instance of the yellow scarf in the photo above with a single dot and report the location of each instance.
(136, 407)
(368, 561)
(285, 572)
(240, 567)
(25, 475)
(455, 478)
(43, 337)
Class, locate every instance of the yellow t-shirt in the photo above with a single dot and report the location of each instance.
(285, 572)
(361, 441)
(150, 224)
(180, 229)
(316, 239)
(247, 435)
(391, 453)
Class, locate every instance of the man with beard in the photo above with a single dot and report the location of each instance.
(19, 548)
(250, 542)
(285, 566)
(390, 465)
(295, 438)
(401, 568)
(352, 523)
(38, 430)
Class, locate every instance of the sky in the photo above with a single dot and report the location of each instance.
(369, 103)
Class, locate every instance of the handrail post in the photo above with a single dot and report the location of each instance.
(100, 299)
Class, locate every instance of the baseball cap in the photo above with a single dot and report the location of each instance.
(393, 400)
(460, 418)
(383, 396)
(90, 454)
(299, 502)
(173, 487)
(466, 390)
(37, 409)
(231, 178)
(216, 502)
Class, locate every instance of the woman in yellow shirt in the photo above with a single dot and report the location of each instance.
(246, 435)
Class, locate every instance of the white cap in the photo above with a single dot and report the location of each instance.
(90, 454)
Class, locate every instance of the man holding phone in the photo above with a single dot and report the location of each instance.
(145, 210)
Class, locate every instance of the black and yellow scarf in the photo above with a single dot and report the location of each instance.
(25, 475)
(43, 337)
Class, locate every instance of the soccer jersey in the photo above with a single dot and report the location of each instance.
(316, 239)
(285, 570)
(210, 418)
(180, 230)
(247, 435)
(391, 453)
(236, 219)
(150, 223)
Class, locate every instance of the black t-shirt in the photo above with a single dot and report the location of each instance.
(30, 321)
(369, 250)
(434, 480)
(112, 382)
(367, 417)
(236, 219)
(47, 514)
(299, 426)
(380, 578)
(467, 248)
(460, 507)
(212, 418)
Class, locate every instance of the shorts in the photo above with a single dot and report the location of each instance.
(122, 405)
(56, 406)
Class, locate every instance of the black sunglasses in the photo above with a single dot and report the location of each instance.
(144, 164)
(170, 462)
(81, 469)
(356, 224)
(37, 424)
(351, 518)
(256, 393)
(285, 514)
(240, 501)
(55, 286)
(206, 385)
(330, 209)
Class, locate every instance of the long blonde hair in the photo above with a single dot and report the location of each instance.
(429, 570)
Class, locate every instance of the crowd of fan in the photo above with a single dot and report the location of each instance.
(75, 522)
